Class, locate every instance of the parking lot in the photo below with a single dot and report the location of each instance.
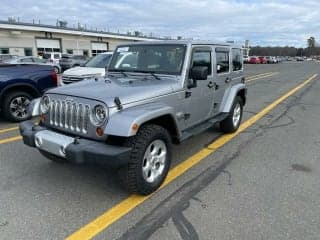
(259, 184)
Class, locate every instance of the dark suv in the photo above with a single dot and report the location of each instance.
(70, 61)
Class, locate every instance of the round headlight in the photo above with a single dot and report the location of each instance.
(99, 115)
(44, 104)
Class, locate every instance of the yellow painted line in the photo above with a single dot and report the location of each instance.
(8, 140)
(4, 130)
(115, 213)
(260, 77)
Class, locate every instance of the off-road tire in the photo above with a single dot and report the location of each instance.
(6, 105)
(52, 157)
(227, 125)
(131, 175)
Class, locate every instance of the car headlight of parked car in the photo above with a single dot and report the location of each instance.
(99, 115)
(44, 104)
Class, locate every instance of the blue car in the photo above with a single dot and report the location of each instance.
(19, 84)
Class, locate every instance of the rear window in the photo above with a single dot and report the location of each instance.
(56, 56)
(46, 56)
(66, 56)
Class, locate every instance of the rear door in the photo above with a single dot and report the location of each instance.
(222, 78)
(237, 65)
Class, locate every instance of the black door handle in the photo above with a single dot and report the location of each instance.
(210, 85)
(228, 80)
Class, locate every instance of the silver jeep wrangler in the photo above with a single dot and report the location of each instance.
(154, 94)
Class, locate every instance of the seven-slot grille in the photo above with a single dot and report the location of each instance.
(69, 115)
(71, 79)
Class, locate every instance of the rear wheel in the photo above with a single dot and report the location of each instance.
(232, 122)
(15, 106)
(56, 69)
(149, 161)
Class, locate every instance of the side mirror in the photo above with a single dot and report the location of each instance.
(199, 73)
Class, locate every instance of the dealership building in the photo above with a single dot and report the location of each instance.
(26, 39)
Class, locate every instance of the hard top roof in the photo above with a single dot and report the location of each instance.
(186, 42)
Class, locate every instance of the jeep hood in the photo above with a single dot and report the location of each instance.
(128, 90)
(81, 71)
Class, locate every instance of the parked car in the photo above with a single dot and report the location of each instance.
(53, 57)
(254, 60)
(95, 67)
(6, 57)
(263, 60)
(130, 118)
(271, 60)
(19, 84)
(34, 60)
(69, 61)
(246, 59)
(299, 59)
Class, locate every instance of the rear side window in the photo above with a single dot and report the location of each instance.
(236, 59)
(202, 58)
(222, 60)
(26, 60)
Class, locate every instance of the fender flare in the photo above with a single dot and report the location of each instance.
(14, 85)
(121, 123)
(229, 97)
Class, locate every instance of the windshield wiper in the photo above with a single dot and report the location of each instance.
(152, 73)
(119, 71)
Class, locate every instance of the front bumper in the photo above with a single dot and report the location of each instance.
(75, 150)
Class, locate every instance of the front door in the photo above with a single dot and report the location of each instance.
(199, 98)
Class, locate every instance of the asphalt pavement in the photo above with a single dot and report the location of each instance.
(263, 184)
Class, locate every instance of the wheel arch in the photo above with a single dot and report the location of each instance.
(127, 122)
(229, 96)
(28, 88)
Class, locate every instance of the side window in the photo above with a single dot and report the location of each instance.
(236, 59)
(202, 58)
(26, 60)
(222, 60)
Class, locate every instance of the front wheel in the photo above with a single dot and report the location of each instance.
(149, 161)
(232, 122)
(15, 106)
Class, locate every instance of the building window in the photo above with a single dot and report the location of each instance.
(28, 51)
(95, 52)
(236, 59)
(86, 53)
(70, 51)
(4, 50)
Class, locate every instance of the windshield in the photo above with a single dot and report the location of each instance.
(165, 58)
(99, 61)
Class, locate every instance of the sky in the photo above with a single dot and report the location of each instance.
(265, 23)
